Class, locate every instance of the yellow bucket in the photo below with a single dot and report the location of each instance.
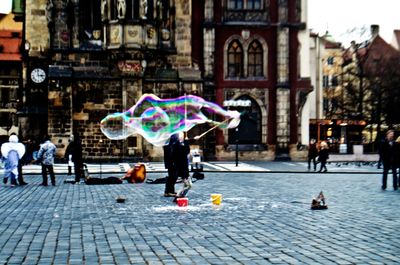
(216, 198)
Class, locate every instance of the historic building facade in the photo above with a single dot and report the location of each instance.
(250, 51)
(86, 59)
(10, 74)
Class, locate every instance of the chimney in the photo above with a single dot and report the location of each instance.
(374, 31)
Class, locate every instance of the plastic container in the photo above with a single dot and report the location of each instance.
(216, 198)
(182, 202)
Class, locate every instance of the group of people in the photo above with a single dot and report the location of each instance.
(318, 155)
(16, 154)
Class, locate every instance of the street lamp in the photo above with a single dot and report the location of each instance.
(237, 147)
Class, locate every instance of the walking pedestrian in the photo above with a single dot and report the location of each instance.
(74, 150)
(11, 152)
(323, 156)
(26, 159)
(397, 157)
(388, 159)
(46, 155)
(169, 165)
(312, 154)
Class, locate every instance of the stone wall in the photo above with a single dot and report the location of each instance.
(282, 117)
(183, 35)
(37, 32)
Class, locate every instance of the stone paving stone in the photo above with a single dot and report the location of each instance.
(257, 222)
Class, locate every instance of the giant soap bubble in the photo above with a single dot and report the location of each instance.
(157, 119)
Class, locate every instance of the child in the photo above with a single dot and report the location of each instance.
(12, 151)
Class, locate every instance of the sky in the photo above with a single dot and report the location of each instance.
(340, 16)
(5, 6)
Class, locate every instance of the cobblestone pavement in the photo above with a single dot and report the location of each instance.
(264, 218)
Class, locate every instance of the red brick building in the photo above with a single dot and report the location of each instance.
(250, 50)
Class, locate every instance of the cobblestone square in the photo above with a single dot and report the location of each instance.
(264, 218)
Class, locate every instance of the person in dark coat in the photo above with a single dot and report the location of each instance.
(180, 152)
(169, 165)
(26, 159)
(388, 152)
(312, 154)
(75, 150)
(323, 156)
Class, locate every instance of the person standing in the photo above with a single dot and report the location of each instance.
(74, 150)
(388, 152)
(169, 165)
(26, 159)
(323, 156)
(180, 152)
(12, 151)
(46, 155)
(312, 154)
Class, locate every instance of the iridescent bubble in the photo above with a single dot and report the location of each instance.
(157, 119)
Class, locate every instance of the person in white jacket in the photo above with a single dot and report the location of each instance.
(12, 151)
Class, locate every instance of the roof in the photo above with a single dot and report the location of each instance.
(378, 50)
(10, 43)
(396, 38)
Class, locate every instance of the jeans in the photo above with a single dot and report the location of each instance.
(50, 169)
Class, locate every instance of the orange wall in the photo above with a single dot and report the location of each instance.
(7, 22)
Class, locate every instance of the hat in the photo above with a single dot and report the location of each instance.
(13, 139)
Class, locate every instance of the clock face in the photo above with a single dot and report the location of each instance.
(38, 75)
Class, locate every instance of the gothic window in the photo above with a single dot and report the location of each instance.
(235, 4)
(244, 4)
(90, 19)
(253, 4)
(113, 9)
(255, 65)
(249, 128)
(334, 81)
(132, 9)
(235, 59)
(325, 81)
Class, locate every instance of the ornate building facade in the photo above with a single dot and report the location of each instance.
(85, 59)
(250, 50)
(10, 74)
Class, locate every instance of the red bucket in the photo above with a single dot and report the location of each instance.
(182, 202)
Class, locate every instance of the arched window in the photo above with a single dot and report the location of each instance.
(249, 129)
(235, 4)
(255, 63)
(235, 59)
(90, 16)
(254, 4)
(132, 9)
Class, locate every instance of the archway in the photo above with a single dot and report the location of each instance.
(249, 129)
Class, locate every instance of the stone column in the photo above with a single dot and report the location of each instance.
(283, 85)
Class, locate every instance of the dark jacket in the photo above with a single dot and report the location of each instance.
(75, 149)
(168, 161)
(180, 152)
(388, 152)
(323, 155)
(312, 150)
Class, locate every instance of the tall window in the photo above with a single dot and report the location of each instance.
(255, 59)
(235, 4)
(90, 18)
(132, 9)
(253, 4)
(244, 4)
(235, 59)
